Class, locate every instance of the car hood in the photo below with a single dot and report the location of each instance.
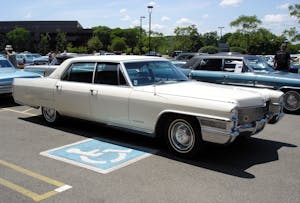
(207, 91)
(7, 74)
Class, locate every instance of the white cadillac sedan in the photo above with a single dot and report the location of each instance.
(148, 95)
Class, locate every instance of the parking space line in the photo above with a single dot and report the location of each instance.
(36, 197)
(21, 112)
(27, 110)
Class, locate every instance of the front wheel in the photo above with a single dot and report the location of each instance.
(50, 115)
(291, 101)
(183, 135)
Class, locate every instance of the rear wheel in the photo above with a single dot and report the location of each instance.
(50, 115)
(183, 135)
(291, 101)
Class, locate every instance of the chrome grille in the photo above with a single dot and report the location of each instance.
(249, 115)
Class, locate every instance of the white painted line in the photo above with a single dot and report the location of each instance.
(63, 188)
(27, 110)
(21, 112)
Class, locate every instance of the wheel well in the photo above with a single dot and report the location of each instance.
(159, 128)
(284, 90)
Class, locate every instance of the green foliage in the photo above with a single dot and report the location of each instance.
(94, 44)
(209, 49)
(295, 11)
(293, 48)
(237, 49)
(210, 38)
(44, 45)
(292, 33)
(103, 34)
(118, 44)
(80, 49)
(61, 42)
(187, 38)
(19, 38)
(246, 23)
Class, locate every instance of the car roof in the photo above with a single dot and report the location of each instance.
(116, 58)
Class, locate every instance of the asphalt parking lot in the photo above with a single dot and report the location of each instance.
(264, 168)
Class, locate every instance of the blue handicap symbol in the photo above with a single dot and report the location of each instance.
(97, 154)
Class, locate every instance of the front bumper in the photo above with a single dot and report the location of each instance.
(223, 136)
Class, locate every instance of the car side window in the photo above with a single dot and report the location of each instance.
(231, 64)
(109, 74)
(80, 72)
(210, 64)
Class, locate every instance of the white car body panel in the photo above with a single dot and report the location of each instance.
(140, 107)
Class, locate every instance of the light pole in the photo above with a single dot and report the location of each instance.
(221, 28)
(150, 11)
(141, 27)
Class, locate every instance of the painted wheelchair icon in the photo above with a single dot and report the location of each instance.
(97, 155)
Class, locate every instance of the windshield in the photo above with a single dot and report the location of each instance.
(153, 72)
(257, 64)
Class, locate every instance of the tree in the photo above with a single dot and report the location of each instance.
(187, 38)
(103, 34)
(295, 11)
(118, 44)
(210, 38)
(209, 49)
(61, 41)
(132, 37)
(94, 44)
(246, 25)
(19, 38)
(292, 33)
(44, 45)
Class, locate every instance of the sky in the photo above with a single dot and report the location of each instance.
(207, 15)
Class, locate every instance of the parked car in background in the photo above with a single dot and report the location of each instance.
(148, 95)
(7, 74)
(174, 53)
(47, 69)
(26, 58)
(43, 60)
(245, 70)
(183, 57)
(152, 53)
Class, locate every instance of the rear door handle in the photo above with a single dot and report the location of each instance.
(94, 92)
(58, 87)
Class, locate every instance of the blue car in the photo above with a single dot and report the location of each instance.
(245, 70)
(7, 74)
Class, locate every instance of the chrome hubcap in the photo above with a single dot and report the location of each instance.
(181, 136)
(49, 114)
(292, 100)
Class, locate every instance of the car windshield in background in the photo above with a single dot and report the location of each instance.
(5, 64)
(153, 72)
(258, 64)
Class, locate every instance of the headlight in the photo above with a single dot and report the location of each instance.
(234, 120)
(234, 114)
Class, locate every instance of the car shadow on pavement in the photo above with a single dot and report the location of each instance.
(234, 159)
(6, 101)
